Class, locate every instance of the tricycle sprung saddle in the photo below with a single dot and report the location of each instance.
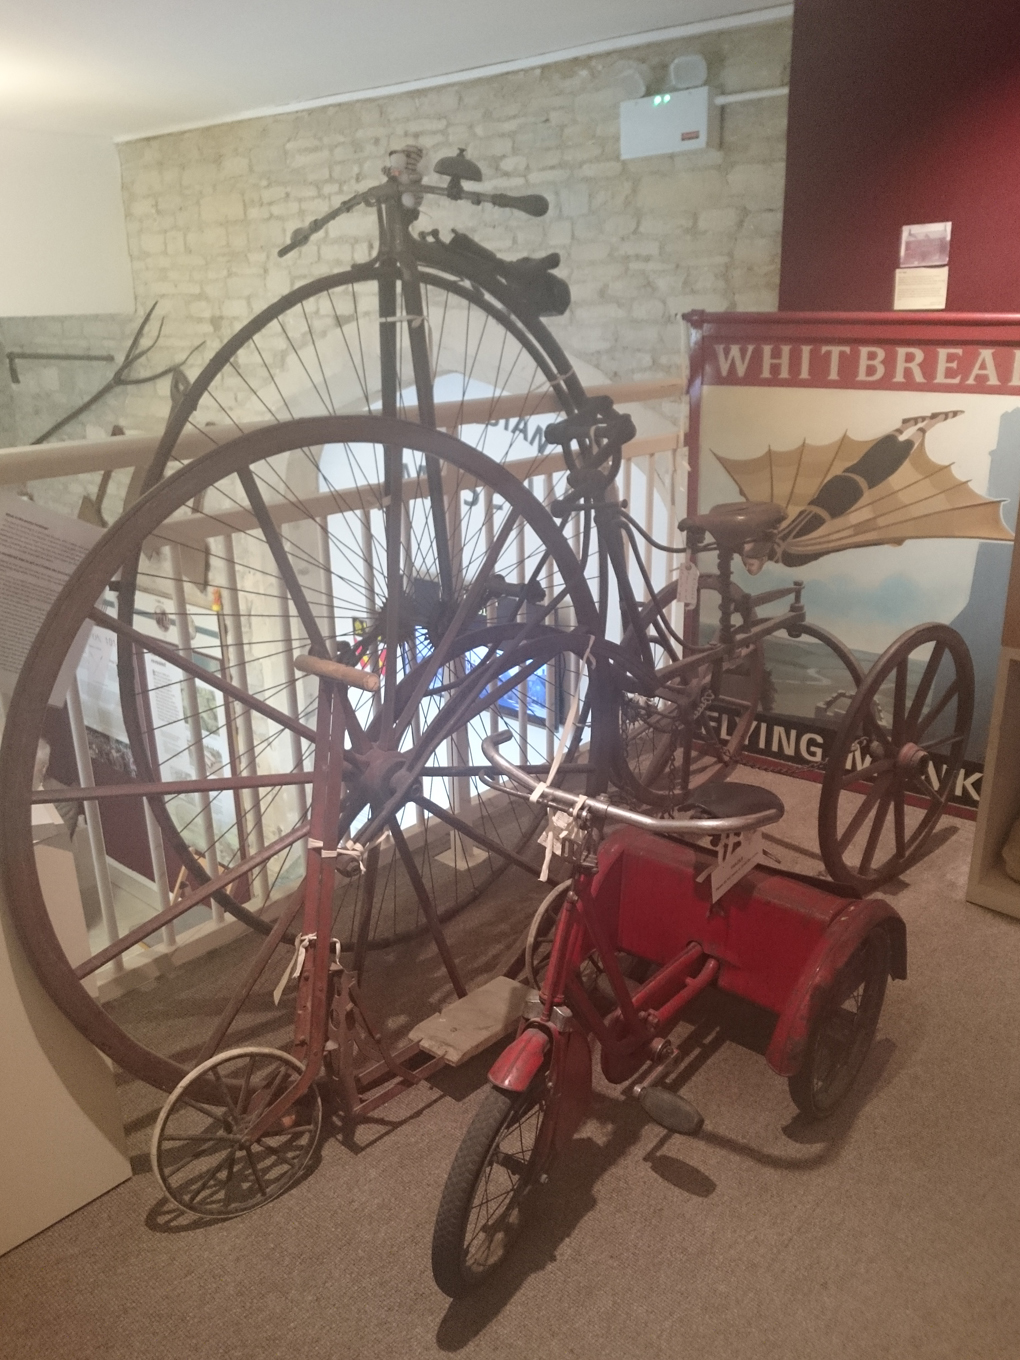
(737, 522)
(532, 282)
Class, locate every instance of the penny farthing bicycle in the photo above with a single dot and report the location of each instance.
(441, 333)
(428, 562)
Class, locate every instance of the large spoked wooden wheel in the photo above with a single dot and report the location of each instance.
(282, 543)
(896, 756)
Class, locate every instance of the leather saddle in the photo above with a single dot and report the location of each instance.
(738, 522)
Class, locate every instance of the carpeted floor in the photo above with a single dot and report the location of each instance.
(888, 1230)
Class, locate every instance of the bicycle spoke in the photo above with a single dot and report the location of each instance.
(861, 815)
(472, 832)
(899, 821)
(227, 1161)
(255, 1172)
(192, 668)
(285, 566)
(881, 812)
(428, 909)
(951, 693)
(923, 690)
(868, 772)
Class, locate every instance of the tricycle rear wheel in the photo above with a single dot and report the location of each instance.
(844, 1028)
(480, 1213)
(895, 760)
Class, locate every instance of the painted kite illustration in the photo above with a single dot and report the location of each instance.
(856, 493)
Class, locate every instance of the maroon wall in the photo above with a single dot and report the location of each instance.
(902, 111)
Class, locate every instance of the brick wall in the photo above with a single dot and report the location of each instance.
(642, 241)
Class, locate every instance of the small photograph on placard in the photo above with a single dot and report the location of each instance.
(925, 244)
(921, 290)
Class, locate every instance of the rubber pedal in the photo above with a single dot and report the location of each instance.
(673, 1112)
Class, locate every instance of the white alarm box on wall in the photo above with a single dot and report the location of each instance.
(663, 124)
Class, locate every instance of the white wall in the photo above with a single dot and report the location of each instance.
(63, 241)
(61, 1131)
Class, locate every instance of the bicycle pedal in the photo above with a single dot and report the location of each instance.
(673, 1112)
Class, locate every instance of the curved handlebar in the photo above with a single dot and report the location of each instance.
(302, 235)
(673, 826)
(535, 205)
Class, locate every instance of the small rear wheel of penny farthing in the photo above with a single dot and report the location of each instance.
(844, 1028)
(202, 1152)
(896, 756)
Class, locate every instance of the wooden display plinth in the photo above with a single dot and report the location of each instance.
(61, 1130)
(989, 885)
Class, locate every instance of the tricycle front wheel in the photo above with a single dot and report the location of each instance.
(844, 1028)
(480, 1213)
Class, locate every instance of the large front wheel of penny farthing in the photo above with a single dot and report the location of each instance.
(895, 759)
(286, 542)
(449, 335)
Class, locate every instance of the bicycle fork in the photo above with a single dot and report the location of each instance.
(315, 951)
(551, 1041)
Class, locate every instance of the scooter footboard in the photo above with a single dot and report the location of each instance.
(786, 1049)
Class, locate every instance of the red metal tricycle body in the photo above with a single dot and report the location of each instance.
(779, 939)
(774, 939)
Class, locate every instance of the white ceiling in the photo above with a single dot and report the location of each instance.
(125, 68)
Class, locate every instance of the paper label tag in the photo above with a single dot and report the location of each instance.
(687, 584)
(558, 827)
(294, 966)
(738, 854)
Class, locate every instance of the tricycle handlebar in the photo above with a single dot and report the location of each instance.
(601, 807)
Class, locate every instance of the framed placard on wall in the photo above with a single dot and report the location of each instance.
(893, 443)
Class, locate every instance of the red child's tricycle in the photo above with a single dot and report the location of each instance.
(637, 937)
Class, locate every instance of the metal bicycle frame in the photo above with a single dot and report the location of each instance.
(647, 1015)
(326, 995)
